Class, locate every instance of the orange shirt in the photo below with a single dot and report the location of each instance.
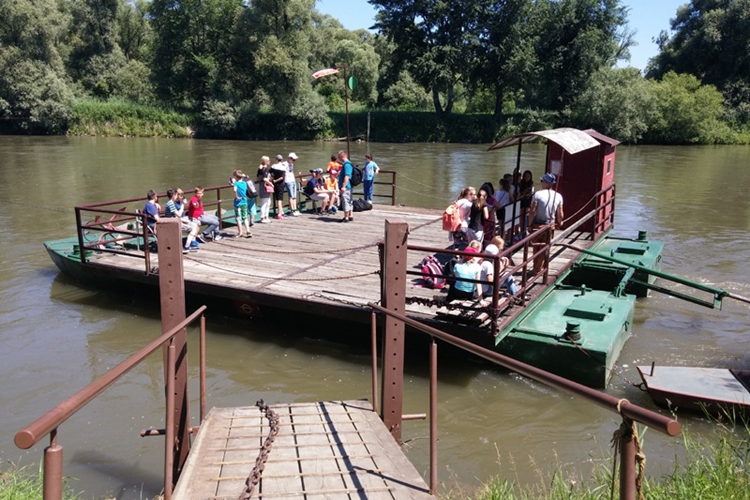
(332, 184)
(333, 168)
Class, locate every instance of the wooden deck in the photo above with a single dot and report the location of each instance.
(317, 265)
(333, 450)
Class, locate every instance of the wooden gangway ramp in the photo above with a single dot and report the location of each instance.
(330, 449)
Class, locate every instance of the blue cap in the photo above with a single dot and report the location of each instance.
(549, 178)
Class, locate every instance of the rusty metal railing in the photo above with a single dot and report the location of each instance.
(630, 412)
(49, 423)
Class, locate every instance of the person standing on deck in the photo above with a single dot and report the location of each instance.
(291, 184)
(371, 168)
(345, 184)
(278, 173)
(240, 204)
(334, 167)
(199, 216)
(265, 188)
(546, 208)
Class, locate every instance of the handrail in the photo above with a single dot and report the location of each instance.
(634, 412)
(32, 433)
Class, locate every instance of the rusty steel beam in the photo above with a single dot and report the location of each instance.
(394, 299)
(52, 486)
(172, 297)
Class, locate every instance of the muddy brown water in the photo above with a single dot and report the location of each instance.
(56, 336)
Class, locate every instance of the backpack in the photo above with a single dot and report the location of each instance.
(432, 272)
(361, 205)
(451, 218)
(357, 175)
(252, 191)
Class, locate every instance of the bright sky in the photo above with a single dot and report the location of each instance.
(647, 17)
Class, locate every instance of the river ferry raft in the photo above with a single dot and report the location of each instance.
(572, 319)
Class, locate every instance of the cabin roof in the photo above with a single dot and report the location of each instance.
(601, 137)
(570, 139)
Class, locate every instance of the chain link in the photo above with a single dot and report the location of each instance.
(260, 463)
(336, 299)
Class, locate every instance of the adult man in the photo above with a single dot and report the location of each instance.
(371, 168)
(291, 184)
(315, 189)
(345, 176)
(546, 208)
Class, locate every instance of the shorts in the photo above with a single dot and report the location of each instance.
(346, 201)
(240, 213)
(318, 197)
(278, 191)
(291, 188)
(188, 225)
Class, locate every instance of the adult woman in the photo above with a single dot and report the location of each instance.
(265, 188)
(525, 192)
(464, 202)
(478, 215)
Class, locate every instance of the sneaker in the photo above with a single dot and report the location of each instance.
(248, 235)
(265, 221)
(217, 237)
(344, 220)
(201, 239)
(295, 213)
(351, 219)
(334, 209)
(279, 217)
(195, 244)
(185, 250)
(251, 224)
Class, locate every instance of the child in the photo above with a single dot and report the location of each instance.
(466, 269)
(332, 186)
(488, 273)
(240, 204)
(371, 168)
(175, 208)
(199, 216)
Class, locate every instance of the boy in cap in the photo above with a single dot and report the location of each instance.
(546, 208)
(315, 189)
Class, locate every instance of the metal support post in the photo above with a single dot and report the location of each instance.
(394, 299)
(53, 467)
(627, 464)
(433, 417)
(172, 295)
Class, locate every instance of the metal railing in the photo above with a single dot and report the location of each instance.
(630, 412)
(49, 423)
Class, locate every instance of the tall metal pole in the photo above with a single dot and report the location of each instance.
(346, 104)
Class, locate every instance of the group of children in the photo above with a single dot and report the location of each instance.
(191, 215)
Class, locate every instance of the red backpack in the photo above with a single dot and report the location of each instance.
(451, 218)
(432, 272)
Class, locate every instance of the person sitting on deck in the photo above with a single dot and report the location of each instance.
(151, 208)
(488, 273)
(468, 268)
(332, 185)
(315, 189)
(198, 215)
(175, 208)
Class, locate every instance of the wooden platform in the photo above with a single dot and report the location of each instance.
(332, 450)
(317, 265)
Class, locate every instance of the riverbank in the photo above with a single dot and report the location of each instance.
(121, 118)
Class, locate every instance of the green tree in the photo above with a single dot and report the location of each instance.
(34, 95)
(619, 102)
(577, 38)
(506, 57)
(133, 30)
(192, 41)
(687, 112)
(434, 40)
(710, 41)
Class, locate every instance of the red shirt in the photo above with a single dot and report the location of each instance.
(195, 208)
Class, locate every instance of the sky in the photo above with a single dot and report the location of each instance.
(647, 17)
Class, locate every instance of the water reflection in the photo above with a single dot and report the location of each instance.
(57, 335)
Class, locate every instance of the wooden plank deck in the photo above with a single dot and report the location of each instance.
(318, 265)
(333, 450)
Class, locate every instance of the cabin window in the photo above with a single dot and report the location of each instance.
(609, 166)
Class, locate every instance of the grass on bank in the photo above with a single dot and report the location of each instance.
(716, 468)
(120, 118)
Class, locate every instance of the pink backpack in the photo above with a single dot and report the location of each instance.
(432, 272)
(451, 218)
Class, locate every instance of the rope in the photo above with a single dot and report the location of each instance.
(627, 430)
(442, 198)
(281, 278)
(565, 222)
(303, 252)
(40, 207)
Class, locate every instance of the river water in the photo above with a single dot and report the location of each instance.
(57, 336)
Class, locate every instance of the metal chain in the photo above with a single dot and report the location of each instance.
(336, 299)
(640, 386)
(260, 463)
(451, 307)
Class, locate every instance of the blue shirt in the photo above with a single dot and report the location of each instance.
(370, 168)
(467, 271)
(241, 188)
(150, 210)
(346, 169)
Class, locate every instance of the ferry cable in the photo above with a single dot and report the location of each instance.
(309, 252)
(37, 206)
